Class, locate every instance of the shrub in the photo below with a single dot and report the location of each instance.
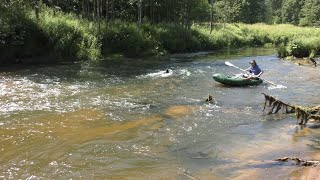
(127, 38)
(19, 36)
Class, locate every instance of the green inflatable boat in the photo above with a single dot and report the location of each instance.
(235, 81)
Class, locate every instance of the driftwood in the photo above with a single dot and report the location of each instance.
(303, 114)
(299, 161)
(313, 61)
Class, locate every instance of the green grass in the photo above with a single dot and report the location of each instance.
(69, 37)
(290, 40)
(62, 36)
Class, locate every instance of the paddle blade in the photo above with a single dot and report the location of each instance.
(229, 64)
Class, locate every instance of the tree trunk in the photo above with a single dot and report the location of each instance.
(140, 12)
(225, 15)
(211, 19)
(88, 8)
(167, 10)
(112, 9)
(94, 10)
(83, 8)
(99, 14)
(101, 10)
(152, 12)
(188, 17)
(37, 8)
(174, 12)
(53, 5)
(107, 11)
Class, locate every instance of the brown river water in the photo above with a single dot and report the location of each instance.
(127, 119)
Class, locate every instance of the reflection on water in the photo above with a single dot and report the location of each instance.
(132, 119)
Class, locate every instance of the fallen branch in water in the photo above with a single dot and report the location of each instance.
(302, 113)
(299, 161)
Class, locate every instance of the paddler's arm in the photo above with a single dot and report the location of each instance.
(252, 76)
(261, 72)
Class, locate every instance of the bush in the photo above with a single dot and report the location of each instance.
(129, 39)
(19, 36)
(69, 36)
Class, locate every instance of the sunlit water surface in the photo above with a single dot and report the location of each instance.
(128, 119)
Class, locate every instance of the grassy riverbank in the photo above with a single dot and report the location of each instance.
(69, 37)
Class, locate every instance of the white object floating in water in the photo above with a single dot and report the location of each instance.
(277, 87)
(165, 73)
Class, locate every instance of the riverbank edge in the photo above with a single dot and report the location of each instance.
(67, 37)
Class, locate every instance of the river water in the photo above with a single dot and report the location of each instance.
(127, 119)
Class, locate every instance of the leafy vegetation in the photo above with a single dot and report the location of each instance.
(19, 36)
(92, 29)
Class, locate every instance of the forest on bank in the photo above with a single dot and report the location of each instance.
(69, 30)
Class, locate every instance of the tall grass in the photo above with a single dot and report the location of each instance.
(290, 40)
(128, 39)
(54, 34)
(69, 37)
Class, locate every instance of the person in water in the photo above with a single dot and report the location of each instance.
(254, 70)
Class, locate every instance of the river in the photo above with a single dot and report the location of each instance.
(127, 119)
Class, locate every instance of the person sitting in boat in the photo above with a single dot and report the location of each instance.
(254, 70)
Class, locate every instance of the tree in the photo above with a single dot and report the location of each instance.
(274, 10)
(253, 11)
(291, 11)
(228, 11)
(310, 13)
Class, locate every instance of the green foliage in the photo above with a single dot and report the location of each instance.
(71, 30)
(282, 50)
(19, 35)
(310, 13)
(253, 11)
(132, 40)
(175, 39)
(228, 11)
(291, 11)
(70, 37)
(129, 39)
(292, 40)
(59, 35)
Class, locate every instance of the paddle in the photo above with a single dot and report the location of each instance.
(229, 64)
